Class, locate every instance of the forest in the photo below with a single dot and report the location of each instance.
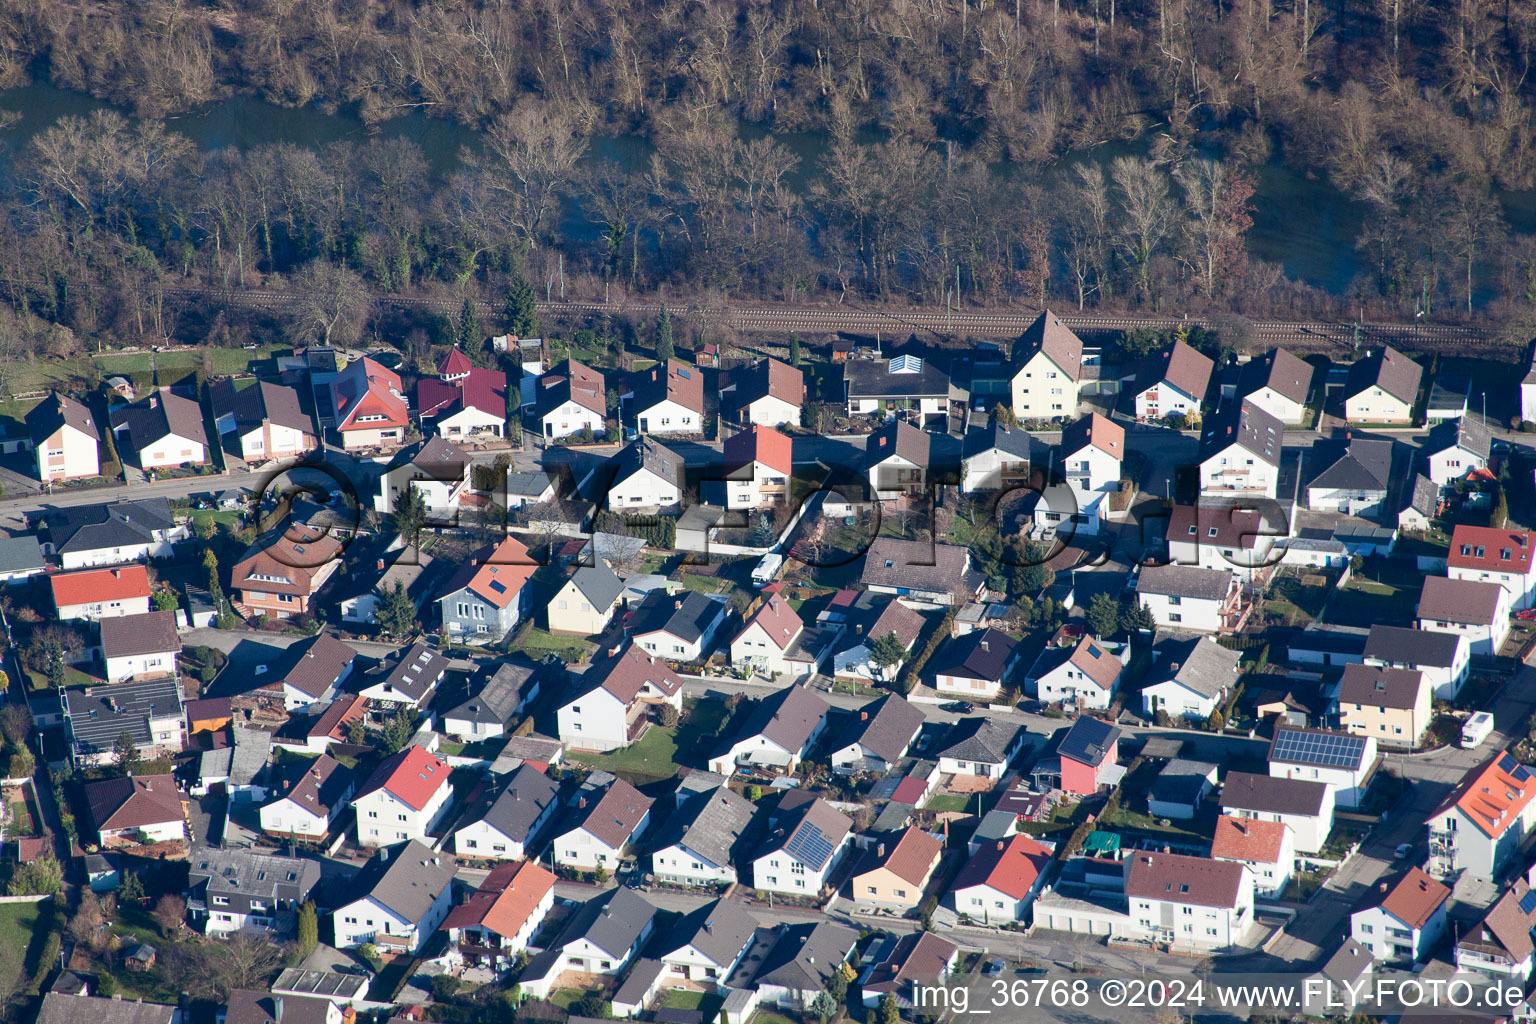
(951, 166)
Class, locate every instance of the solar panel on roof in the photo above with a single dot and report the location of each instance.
(810, 845)
(1508, 764)
(1528, 902)
(1329, 749)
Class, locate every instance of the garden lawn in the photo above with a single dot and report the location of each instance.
(654, 756)
(951, 802)
(19, 924)
(539, 642)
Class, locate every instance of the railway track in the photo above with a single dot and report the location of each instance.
(1304, 335)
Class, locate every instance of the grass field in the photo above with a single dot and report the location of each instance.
(951, 802)
(539, 642)
(655, 755)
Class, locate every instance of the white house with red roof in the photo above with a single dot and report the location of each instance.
(454, 366)
(484, 600)
(768, 392)
(1001, 880)
(1401, 921)
(1266, 848)
(758, 465)
(404, 798)
(101, 593)
(614, 700)
(1502, 556)
(470, 406)
(1481, 824)
(368, 405)
(766, 639)
(1189, 903)
(1085, 674)
(669, 399)
(570, 397)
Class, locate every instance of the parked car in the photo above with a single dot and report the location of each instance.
(959, 707)
(1526, 614)
(993, 967)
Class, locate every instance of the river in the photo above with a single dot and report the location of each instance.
(1300, 222)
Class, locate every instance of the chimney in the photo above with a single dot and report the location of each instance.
(880, 850)
(277, 1009)
(863, 716)
(999, 846)
(581, 803)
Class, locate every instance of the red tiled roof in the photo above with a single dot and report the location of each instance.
(1493, 794)
(413, 775)
(913, 856)
(97, 585)
(454, 363)
(1490, 550)
(1010, 868)
(505, 900)
(1249, 839)
(434, 395)
(367, 388)
(777, 619)
(485, 390)
(759, 444)
(497, 575)
(1414, 899)
(344, 710)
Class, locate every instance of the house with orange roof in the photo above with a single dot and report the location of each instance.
(1000, 881)
(668, 399)
(485, 599)
(1503, 556)
(405, 798)
(1482, 823)
(1268, 848)
(280, 573)
(768, 636)
(758, 465)
(1401, 920)
(98, 594)
(900, 871)
(368, 405)
(767, 392)
(501, 917)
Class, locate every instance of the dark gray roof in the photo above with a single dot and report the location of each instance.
(54, 412)
(19, 554)
(1177, 789)
(787, 717)
(872, 378)
(807, 828)
(413, 673)
(719, 930)
(258, 403)
(979, 654)
(1349, 963)
(529, 485)
(1424, 496)
(898, 438)
(985, 740)
(1246, 425)
(1245, 791)
(805, 955)
(995, 824)
(649, 454)
(98, 715)
(59, 1008)
(314, 665)
(145, 633)
(1467, 432)
(1201, 664)
(406, 879)
(500, 697)
(1009, 440)
(252, 873)
(1365, 466)
(916, 565)
(885, 726)
(1398, 646)
(158, 415)
(523, 798)
(685, 616)
(116, 525)
(612, 922)
(599, 584)
(710, 823)
(321, 786)
(1279, 370)
(1088, 740)
(1184, 581)
(1049, 335)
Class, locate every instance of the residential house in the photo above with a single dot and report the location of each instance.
(1180, 789)
(280, 574)
(486, 598)
(807, 839)
(920, 572)
(1176, 385)
(509, 826)
(585, 602)
(1480, 826)
(334, 723)
(1227, 535)
(534, 487)
(163, 431)
(1187, 597)
(646, 475)
(1240, 452)
(136, 809)
(708, 943)
(1082, 674)
(759, 463)
(669, 399)
(400, 899)
(492, 709)
(405, 681)
(437, 470)
(1342, 761)
(310, 671)
(82, 536)
(1441, 657)
(256, 1006)
(1089, 753)
(263, 421)
(779, 733)
(1266, 848)
(1277, 382)
(996, 457)
(872, 617)
(896, 460)
(1382, 388)
(1189, 678)
(613, 703)
(150, 712)
(98, 594)
(1391, 705)
(64, 1008)
(976, 665)
(916, 959)
(231, 890)
(1000, 881)
(768, 392)
(601, 937)
(368, 403)
(500, 919)
(1400, 920)
(1477, 610)
(1190, 903)
(314, 799)
(139, 646)
(1356, 484)
(982, 747)
(1047, 370)
(698, 842)
(1499, 947)
(801, 961)
(878, 736)
(1421, 505)
(605, 819)
(898, 874)
(678, 627)
(405, 568)
(1489, 555)
(767, 637)
(405, 798)
(1091, 450)
(902, 384)
(1459, 449)
(66, 443)
(468, 408)
(571, 398)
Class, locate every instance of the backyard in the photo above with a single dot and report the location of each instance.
(536, 643)
(654, 756)
(24, 931)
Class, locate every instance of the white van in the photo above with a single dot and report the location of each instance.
(767, 569)
(1476, 729)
